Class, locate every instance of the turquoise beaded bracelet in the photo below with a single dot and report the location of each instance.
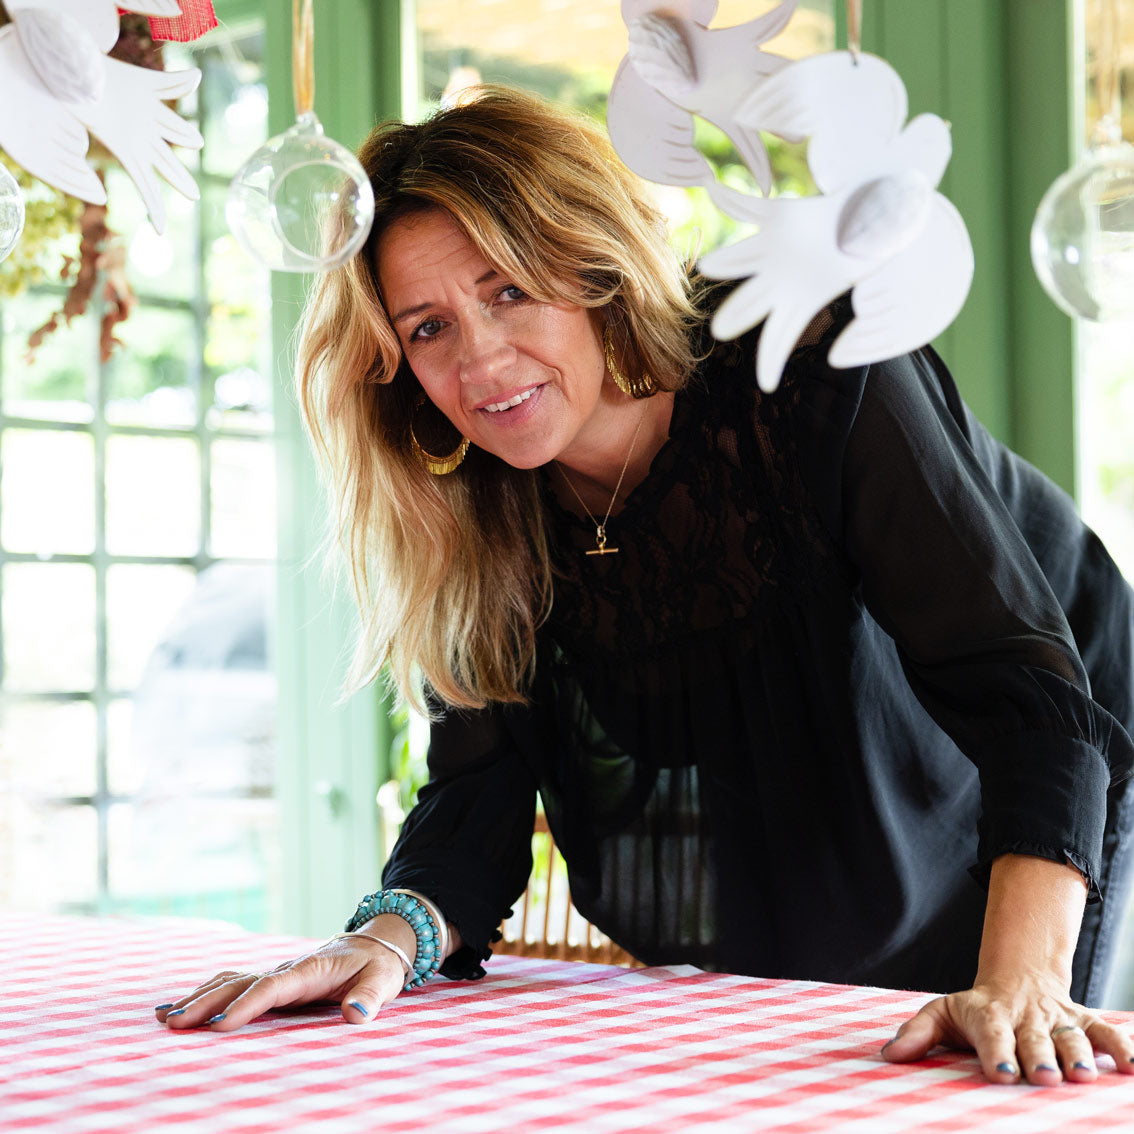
(422, 917)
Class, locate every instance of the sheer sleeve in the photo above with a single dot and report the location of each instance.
(466, 844)
(946, 571)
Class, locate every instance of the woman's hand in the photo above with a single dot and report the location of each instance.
(1024, 1029)
(356, 971)
(1019, 1016)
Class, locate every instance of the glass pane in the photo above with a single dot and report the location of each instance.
(50, 748)
(122, 773)
(242, 399)
(56, 848)
(164, 265)
(56, 385)
(47, 492)
(151, 379)
(1105, 441)
(243, 488)
(194, 857)
(203, 719)
(203, 741)
(141, 601)
(238, 328)
(153, 496)
(235, 102)
(570, 52)
(49, 627)
(1106, 437)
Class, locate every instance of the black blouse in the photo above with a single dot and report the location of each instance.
(844, 658)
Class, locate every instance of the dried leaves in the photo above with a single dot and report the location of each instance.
(102, 255)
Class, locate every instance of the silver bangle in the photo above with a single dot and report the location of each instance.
(398, 952)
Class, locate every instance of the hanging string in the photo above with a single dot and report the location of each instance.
(854, 27)
(1107, 129)
(303, 56)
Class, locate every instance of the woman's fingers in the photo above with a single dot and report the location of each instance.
(206, 1001)
(919, 1034)
(362, 975)
(163, 1010)
(1075, 1053)
(1039, 1062)
(276, 989)
(1112, 1041)
(377, 984)
(997, 1046)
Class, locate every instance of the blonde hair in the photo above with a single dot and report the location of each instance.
(452, 574)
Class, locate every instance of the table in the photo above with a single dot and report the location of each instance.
(536, 1045)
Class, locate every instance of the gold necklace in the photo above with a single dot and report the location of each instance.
(600, 528)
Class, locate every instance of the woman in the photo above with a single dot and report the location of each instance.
(782, 667)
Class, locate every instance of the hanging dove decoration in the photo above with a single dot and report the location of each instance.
(877, 227)
(58, 85)
(676, 67)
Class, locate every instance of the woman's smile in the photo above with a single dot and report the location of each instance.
(510, 403)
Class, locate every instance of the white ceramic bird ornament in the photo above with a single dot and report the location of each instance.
(878, 225)
(57, 83)
(677, 67)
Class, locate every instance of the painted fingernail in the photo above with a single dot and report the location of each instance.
(176, 1012)
(1079, 1065)
(217, 1018)
(1044, 1067)
(361, 1008)
(163, 1007)
(1006, 1068)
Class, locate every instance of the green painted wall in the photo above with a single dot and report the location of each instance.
(332, 756)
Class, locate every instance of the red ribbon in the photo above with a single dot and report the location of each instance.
(197, 17)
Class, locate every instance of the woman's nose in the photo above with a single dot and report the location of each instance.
(486, 350)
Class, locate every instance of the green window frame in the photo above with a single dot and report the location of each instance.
(331, 756)
(206, 433)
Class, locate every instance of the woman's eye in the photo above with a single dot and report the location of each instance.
(425, 330)
(512, 293)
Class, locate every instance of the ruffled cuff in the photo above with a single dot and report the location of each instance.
(458, 888)
(1051, 804)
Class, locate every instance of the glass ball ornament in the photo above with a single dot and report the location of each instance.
(11, 213)
(1083, 236)
(301, 202)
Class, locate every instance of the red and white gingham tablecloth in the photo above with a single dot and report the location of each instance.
(535, 1046)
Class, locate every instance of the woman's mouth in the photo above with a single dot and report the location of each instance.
(510, 403)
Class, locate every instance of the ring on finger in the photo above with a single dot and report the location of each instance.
(1067, 1028)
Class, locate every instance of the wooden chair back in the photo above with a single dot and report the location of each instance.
(545, 922)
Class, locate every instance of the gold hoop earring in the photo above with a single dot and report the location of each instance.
(438, 466)
(642, 386)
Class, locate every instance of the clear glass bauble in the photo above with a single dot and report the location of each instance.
(1083, 236)
(301, 202)
(11, 213)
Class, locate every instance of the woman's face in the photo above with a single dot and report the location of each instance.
(520, 378)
